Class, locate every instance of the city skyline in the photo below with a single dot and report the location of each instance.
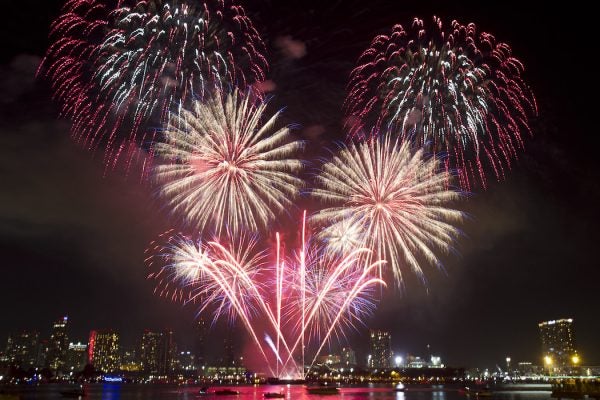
(73, 234)
(152, 350)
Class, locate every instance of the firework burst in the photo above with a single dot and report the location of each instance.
(299, 298)
(122, 69)
(329, 280)
(389, 200)
(222, 168)
(452, 90)
(209, 273)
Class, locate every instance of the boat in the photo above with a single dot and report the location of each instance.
(203, 390)
(323, 390)
(274, 395)
(477, 392)
(399, 387)
(226, 392)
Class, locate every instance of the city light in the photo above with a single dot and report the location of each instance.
(575, 359)
(398, 361)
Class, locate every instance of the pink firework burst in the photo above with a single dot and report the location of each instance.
(450, 89)
(117, 68)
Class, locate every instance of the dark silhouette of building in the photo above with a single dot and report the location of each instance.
(77, 357)
(158, 353)
(22, 349)
(348, 356)
(200, 345)
(381, 349)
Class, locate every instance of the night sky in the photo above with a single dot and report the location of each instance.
(72, 238)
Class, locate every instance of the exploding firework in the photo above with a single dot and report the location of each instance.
(221, 167)
(454, 91)
(209, 273)
(388, 199)
(329, 281)
(123, 68)
(313, 297)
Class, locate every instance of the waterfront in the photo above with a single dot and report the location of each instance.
(255, 392)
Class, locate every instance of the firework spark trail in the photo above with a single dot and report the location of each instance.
(392, 201)
(341, 275)
(360, 286)
(221, 167)
(214, 273)
(120, 70)
(217, 275)
(452, 90)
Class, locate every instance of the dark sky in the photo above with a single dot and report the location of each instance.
(72, 237)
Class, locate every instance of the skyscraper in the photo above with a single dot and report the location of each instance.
(158, 352)
(22, 348)
(103, 350)
(558, 343)
(57, 345)
(348, 356)
(129, 359)
(381, 349)
(200, 345)
(76, 357)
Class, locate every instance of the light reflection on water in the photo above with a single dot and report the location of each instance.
(292, 392)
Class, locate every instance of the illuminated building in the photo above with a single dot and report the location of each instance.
(129, 360)
(381, 349)
(76, 357)
(558, 343)
(348, 356)
(435, 362)
(103, 350)
(158, 352)
(415, 362)
(57, 345)
(186, 361)
(329, 359)
(22, 349)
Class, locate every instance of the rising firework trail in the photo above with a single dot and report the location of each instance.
(382, 196)
(450, 89)
(118, 67)
(235, 281)
(222, 166)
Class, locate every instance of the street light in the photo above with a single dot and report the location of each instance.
(575, 359)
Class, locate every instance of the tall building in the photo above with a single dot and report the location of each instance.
(42, 352)
(227, 358)
(348, 356)
(158, 352)
(57, 345)
(22, 349)
(76, 357)
(186, 362)
(103, 350)
(558, 343)
(200, 345)
(381, 349)
(129, 360)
